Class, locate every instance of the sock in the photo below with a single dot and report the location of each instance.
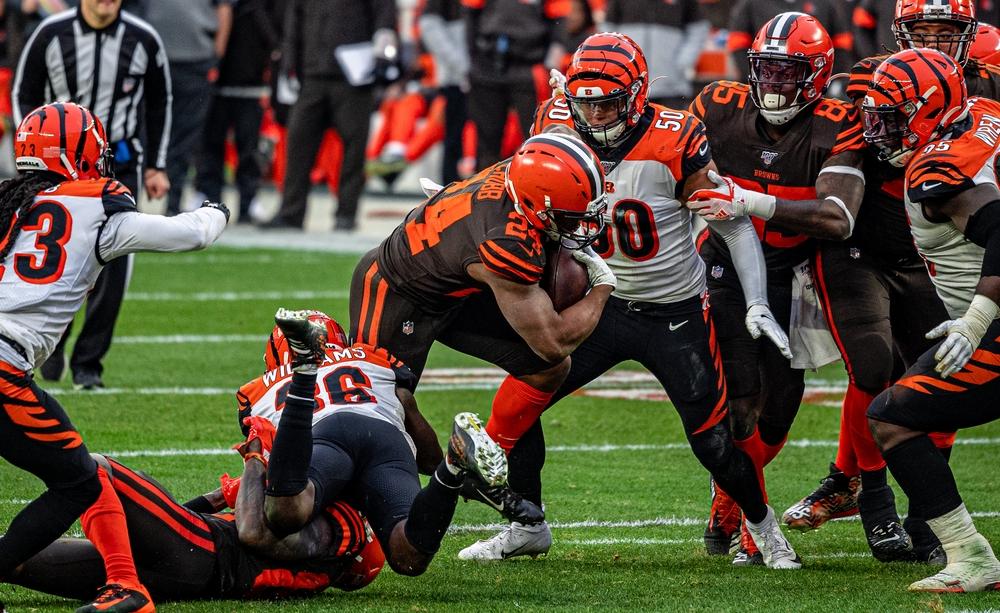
(516, 406)
(856, 403)
(772, 451)
(432, 511)
(924, 475)
(291, 453)
(846, 460)
(954, 526)
(755, 449)
(876, 501)
(104, 525)
(43, 521)
(525, 463)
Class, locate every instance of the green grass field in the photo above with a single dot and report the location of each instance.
(626, 499)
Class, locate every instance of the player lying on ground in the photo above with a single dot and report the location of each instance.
(358, 449)
(181, 554)
(917, 115)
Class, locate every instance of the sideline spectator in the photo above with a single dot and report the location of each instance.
(241, 86)
(195, 34)
(129, 91)
(442, 32)
(334, 52)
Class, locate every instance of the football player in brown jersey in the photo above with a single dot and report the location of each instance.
(657, 315)
(879, 301)
(917, 115)
(801, 177)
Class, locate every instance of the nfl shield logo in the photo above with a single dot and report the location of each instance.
(855, 253)
(407, 327)
(768, 157)
(717, 272)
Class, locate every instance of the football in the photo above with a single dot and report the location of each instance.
(564, 279)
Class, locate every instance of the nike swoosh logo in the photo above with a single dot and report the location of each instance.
(513, 552)
(484, 498)
(675, 327)
(703, 149)
(929, 186)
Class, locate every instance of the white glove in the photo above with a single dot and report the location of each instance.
(597, 269)
(963, 335)
(760, 320)
(557, 81)
(728, 200)
(429, 187)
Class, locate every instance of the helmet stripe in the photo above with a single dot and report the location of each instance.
(583, 157)
(780, 27)
(61, 110)
(942, 82)
(630, 67)
(83, 133)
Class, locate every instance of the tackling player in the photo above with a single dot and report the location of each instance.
(658, 315)
(342, 435)
(880, 263)
(792, 160)
(185, 555)
(62, 220)
(917, 115)
(464, 269)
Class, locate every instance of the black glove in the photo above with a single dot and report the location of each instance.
(217, 205)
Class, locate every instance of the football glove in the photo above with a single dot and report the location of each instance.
(557, 81)
(597, 269)
(230, 489)
(430, 187)
(259, 428)
(962, 335)
(219, 206)
(728, 200)
(760, 320)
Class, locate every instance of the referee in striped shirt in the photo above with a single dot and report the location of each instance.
(113, 63)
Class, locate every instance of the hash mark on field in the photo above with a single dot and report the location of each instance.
(232, 296)
(178, 339)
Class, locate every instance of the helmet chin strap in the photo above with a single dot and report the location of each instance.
(68, 166)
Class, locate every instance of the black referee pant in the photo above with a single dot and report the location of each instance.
(103, 303)
(325, 103)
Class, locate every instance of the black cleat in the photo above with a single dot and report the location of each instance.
(506, 501)
(889, 542)
(87, 380)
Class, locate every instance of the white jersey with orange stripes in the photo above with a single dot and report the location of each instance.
(358, 379)
(941, 171)
(70, 232)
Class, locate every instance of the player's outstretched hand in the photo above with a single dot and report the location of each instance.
(724, 201)
(597, 269)
(760, 320)
(261, 429)
(557, 81)
(959, 343)
(217, 206)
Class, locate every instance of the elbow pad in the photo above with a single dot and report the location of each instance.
(983, 229)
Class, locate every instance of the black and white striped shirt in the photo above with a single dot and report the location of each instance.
(110, 71)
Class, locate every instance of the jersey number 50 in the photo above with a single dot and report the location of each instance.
(632, 230)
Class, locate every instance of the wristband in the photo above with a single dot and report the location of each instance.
(981, 313)
(760, 205)
(251, 455)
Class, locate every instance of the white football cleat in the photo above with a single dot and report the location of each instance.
(972, 567)
(514, 540)
(773, 545)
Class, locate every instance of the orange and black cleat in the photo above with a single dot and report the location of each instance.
(836, 496)
(117, 598)
(722, 532)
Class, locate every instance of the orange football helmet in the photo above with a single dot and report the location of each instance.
(961, 14)
(64, 138)
(607, 87)
(276, 350)
(791, 60)
(557, 183)
(914, 96)
(986, 47)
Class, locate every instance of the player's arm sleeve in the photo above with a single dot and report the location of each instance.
(158, 101)
(747, 257)
(936, 178)
(512, 259)
(132, 232)
(697, 153)
(28, 91)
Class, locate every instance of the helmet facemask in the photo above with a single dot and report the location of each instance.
(783, 85)
(887, 130)
(591, 103)
(573, 230)
(955, 43)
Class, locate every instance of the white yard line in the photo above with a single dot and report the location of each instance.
(233, 296)
(180, 339)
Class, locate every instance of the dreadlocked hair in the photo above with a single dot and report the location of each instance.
(16, 197)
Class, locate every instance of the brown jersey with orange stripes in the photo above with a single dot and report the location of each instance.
(786, 168)
(473, 221)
